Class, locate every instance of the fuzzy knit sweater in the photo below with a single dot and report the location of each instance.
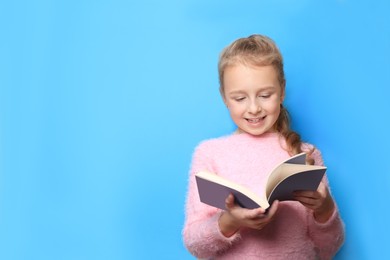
(292, 234)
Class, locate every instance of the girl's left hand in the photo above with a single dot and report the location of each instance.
(320, 201)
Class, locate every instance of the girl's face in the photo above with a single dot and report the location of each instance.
(253, 96)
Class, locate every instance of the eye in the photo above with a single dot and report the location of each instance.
(239, 99)
(265, 95)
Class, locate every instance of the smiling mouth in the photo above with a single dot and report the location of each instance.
(255, 120)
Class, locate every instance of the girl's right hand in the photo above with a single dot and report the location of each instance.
(236, 217)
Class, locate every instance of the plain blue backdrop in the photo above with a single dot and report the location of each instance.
(102, 103)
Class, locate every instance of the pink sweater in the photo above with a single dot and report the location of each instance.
(293, 234)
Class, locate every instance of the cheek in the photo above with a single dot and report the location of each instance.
(236, 109)
(276, 110)
(276, 107)
(273, 106)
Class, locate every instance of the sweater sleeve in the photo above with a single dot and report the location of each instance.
(327, 237)
(201, 233)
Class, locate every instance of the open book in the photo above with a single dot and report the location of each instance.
(287, 177)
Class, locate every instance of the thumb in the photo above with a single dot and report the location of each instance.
(229, 202)
(273, 208)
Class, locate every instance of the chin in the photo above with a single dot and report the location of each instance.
(254, 133)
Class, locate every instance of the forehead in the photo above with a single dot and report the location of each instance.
(241, 76)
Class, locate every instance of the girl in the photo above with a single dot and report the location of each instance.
(252, 85)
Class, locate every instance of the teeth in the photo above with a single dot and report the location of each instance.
(256, 120)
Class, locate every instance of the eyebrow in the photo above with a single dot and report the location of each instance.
(260, 90)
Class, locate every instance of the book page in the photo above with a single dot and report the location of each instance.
(214, 189)
(297, 159)
(291, 177)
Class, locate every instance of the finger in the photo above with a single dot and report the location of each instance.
(311, 204)
(308, 201)
(322, 186)
(257, 213)
(260, 223)
(229, 202)
(272, 210)
(307, 194)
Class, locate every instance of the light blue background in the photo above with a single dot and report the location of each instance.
(102, 103)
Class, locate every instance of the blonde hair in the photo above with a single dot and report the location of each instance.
(260, 50)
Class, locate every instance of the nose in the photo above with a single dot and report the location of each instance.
(254, 107)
